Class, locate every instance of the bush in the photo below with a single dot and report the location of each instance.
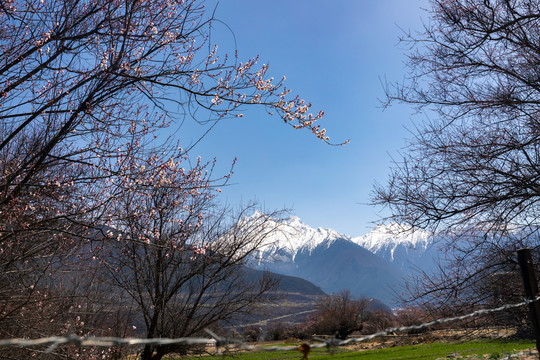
(302, 331)
(278, 331)
(412, 316)
(378, 320)
(252, 333)
(339, 315)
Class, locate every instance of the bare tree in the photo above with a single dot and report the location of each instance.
(90, 91)
(179, 257)
(470, 173)
(476, 162)
(87, 85)
(339, 315)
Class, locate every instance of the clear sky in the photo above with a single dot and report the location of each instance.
(334, 54)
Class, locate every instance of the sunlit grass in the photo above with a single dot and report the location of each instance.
(463, 350)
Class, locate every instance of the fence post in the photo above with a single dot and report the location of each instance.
(531, 290)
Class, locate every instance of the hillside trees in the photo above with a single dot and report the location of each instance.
(340, 315)
(471, 171)
(90, 91)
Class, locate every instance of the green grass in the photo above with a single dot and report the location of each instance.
(494, 350)
(441, 350)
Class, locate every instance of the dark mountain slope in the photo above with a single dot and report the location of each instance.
(287, 284)
(342, 264)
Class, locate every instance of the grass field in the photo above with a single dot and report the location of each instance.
(465, 350)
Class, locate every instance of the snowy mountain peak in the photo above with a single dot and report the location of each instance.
(389, 237)
(393, 242)
(292, 236)
(335, 261)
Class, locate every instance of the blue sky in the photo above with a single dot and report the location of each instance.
(334, 54)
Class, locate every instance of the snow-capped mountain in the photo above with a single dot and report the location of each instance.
(328, 259)
(405, 248)
(290, 237)
(408, 249)
(390, 237)
(372, 265)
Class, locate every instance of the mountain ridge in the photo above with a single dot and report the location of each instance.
(372, 265)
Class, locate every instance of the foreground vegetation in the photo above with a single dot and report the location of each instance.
(462, 350)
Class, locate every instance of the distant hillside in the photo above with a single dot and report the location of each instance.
(342, 264)
(287, 284)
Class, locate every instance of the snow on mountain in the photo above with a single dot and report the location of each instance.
(387, 238)
(392, 242)
(409, 250)
(326, 258)
(292, 236)
(367, 265)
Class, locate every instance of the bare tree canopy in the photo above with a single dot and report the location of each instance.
(88, 89)
(475, 161)
(471, 172)
(340, 315)
(95, 181)
(185, 268)
(87, 85)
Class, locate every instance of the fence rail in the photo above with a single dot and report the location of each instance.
(221, 342)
